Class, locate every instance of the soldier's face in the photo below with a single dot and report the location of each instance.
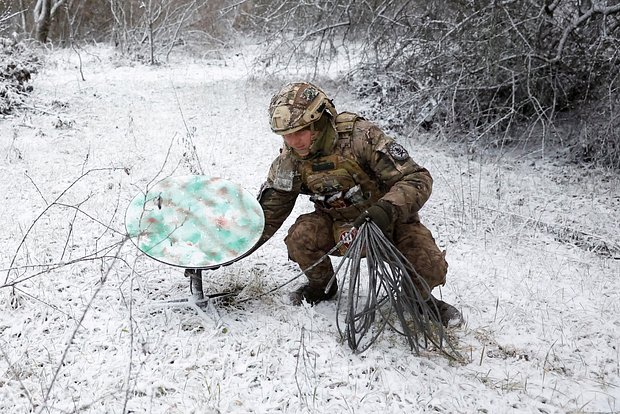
(300, 141)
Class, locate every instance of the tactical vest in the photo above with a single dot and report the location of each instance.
(338, 184)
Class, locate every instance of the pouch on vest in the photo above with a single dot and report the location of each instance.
(330, 182)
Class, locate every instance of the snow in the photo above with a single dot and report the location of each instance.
(83, 328)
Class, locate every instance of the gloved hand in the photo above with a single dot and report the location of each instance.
(380, 213)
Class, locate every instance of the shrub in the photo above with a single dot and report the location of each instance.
(493, 72)
(18, 65)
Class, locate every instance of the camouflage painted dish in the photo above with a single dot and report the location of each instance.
(195, 221)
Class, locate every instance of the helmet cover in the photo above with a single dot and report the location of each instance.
(296, 106)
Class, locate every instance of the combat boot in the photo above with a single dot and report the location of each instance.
(449, 316)
(312, 295)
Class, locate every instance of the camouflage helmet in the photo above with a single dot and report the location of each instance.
(296, 106)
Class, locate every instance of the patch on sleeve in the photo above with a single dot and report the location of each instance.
(282, 173)
(283, 181)
(397, 151)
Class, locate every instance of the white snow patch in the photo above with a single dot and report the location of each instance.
(79, 334)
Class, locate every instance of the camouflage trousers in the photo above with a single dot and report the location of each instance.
(311, 237)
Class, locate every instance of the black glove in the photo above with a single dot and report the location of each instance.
(379, 213)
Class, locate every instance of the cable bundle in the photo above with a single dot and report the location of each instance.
(390, 298)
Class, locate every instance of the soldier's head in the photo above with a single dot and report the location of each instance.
(301, 112)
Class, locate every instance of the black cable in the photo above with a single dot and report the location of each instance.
(388, 297)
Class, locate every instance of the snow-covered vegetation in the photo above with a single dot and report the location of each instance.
(532, 244)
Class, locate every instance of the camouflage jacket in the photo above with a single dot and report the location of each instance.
(363, 166)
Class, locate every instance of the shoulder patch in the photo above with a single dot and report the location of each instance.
(397, 151)
(283, 181)
(282, 173)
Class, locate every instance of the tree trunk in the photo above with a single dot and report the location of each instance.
(42, 19)
(22, 15)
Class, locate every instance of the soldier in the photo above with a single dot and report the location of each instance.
(352, 172)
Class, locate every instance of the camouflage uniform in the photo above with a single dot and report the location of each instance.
(355, 166)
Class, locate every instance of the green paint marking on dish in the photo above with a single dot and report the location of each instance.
(195, 221)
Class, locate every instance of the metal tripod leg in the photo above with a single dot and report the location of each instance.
(200, 302)
(198, 298)
(195, 283)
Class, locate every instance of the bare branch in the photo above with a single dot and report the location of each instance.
(596, 9)
(75, 331)
(62, 194)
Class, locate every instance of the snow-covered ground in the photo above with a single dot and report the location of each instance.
(533, 248)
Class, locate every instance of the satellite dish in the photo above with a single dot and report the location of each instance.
(195, 221)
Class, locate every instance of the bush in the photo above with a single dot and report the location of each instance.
(493, 72)
(593, 133)
(18, 66)
(145, 30)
